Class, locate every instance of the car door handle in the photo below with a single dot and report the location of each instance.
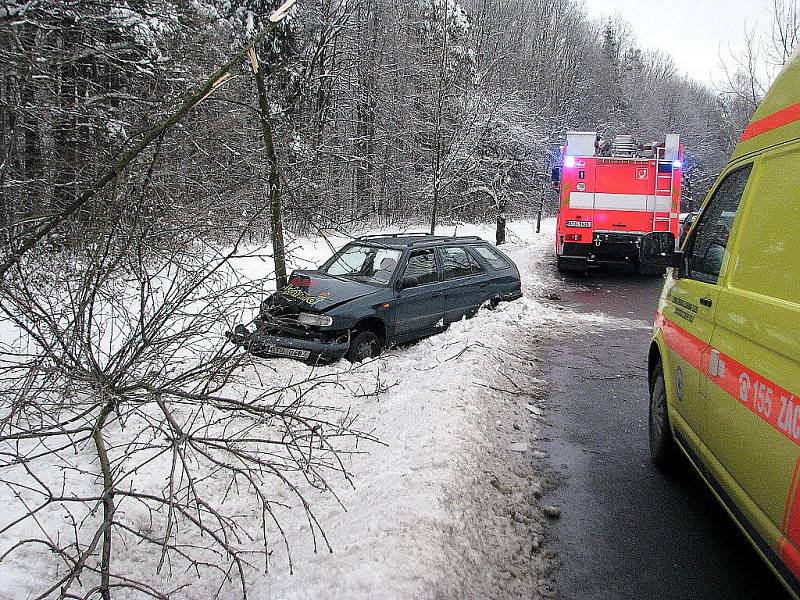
(436, 295)
(707, 302)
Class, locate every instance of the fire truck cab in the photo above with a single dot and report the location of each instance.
(613, 194)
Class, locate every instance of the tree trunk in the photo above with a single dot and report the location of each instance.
(500, 237)
(276, 210)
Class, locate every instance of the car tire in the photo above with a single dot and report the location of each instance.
(364, 345)
(662, 445)
(489, 304)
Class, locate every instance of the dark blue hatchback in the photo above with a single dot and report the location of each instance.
(379, 291)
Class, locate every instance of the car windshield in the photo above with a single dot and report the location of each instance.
(365, 263)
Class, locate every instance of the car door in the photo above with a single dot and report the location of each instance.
(420, 303)
(692, 298)
(465, 282)
(753, 396)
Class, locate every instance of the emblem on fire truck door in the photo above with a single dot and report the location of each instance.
(642, 174)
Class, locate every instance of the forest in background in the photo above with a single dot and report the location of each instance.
(383, 110)
(141, 146)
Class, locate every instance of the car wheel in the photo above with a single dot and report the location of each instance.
(662, 444)
(489, 304)
(364, 345)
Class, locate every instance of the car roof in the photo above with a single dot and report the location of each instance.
(414, 240)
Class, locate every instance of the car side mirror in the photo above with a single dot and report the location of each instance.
(408, 282)
(657, 249)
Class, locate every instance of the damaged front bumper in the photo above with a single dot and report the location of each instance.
(308, 346)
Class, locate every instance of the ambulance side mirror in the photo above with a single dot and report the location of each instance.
(658, 249)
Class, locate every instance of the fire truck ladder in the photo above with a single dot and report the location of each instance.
(665, 184)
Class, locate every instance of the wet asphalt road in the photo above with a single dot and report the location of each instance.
(627, 530)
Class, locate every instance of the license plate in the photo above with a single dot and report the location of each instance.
(582, 224)
(290, 352)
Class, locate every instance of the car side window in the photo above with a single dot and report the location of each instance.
(492, 257)
(456, 263)
(422, 267)
(707, 247)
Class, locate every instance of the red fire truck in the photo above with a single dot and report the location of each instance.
(612, 194)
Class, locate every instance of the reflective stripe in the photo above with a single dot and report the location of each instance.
(784, 117)
(791, 557)
(790, 504)
(687, 346)
(627, 202)
(581, 200)
(771, 403)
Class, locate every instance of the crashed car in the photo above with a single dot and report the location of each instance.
(380, 291)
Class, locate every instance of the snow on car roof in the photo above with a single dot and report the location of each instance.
(413, 239)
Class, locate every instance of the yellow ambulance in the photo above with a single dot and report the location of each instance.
(725, 358)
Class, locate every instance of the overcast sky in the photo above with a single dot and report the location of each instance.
(692, 31)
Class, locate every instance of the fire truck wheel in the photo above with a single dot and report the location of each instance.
(650, 271)
(572, 266)
(662, 446)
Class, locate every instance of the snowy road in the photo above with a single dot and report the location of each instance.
(627, 531)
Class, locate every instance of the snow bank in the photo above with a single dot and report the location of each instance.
(402, 528)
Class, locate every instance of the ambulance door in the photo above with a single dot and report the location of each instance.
(692, 302)
(753, 394)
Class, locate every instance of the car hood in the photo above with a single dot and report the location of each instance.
(313, 291)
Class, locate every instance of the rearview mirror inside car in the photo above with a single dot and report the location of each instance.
(657, 249)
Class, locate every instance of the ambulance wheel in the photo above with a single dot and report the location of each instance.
(662, 445)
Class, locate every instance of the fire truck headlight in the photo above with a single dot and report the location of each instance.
(569, 162)
(677, 164)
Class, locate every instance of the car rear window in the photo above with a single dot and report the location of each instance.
(456, 262)
(492, 256)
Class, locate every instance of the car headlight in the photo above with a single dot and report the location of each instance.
(315, 320)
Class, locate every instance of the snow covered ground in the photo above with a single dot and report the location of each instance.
(445, 505)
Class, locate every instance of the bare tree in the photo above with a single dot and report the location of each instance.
(126, 415)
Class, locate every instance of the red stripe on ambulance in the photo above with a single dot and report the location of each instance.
(772, 403)
(790, 556)
(688, 347)
(784, 117)
(787, 546)
(775, 405)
